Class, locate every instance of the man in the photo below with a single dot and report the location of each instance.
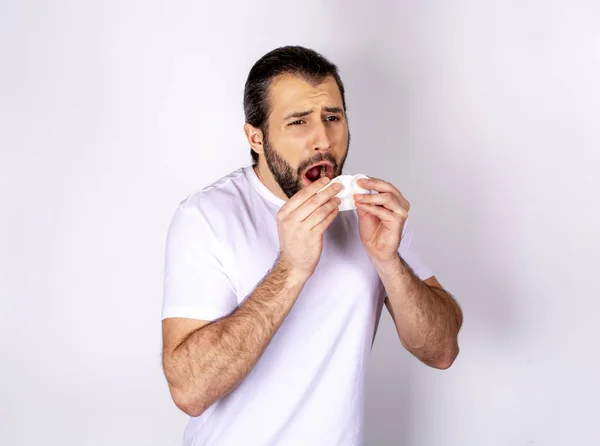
(272, 296)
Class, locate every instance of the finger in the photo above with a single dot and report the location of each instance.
(386, 199)
(382, 186)
(326, 222)
(321, 213)
(385, 215)
(304, 194)
(307, 208)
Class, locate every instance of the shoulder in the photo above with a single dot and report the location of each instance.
(216, 207)
(221, 196)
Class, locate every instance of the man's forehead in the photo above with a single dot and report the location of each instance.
(288, 93)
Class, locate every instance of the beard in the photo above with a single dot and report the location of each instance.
(289, 179)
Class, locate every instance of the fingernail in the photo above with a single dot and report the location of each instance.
(326, 180)
(358, 197)
(337, 186)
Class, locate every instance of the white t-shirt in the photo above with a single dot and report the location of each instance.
(308, 386)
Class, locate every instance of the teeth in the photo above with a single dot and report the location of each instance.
(323, 171)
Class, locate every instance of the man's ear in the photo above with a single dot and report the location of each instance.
(254, 137)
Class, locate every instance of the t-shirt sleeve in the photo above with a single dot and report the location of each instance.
(195, 283)
(409, 254)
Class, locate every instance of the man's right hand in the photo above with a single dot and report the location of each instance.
(301, 223)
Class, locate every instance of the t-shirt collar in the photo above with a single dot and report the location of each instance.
(261, 188)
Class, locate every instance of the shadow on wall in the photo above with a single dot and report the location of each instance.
(393, 137)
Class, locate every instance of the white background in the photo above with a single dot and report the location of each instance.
(484, 114)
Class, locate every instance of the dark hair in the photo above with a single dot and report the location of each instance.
(296, 60)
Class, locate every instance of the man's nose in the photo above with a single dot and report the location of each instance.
(322, 140)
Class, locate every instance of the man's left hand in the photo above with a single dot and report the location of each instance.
(381, 219)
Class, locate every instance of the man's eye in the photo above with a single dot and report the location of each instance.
(333, 118)
(298, 122)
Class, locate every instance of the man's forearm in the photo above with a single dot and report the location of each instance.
(427, 319)
(214, 359)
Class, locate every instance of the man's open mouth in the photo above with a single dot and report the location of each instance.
(319, 170)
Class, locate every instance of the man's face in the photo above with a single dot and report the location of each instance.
(307, 132)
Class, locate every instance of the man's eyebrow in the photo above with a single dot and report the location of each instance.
(301, 114)
(333, 110)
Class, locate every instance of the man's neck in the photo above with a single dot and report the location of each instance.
(266, 177)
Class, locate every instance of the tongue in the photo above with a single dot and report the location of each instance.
(314, 173)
